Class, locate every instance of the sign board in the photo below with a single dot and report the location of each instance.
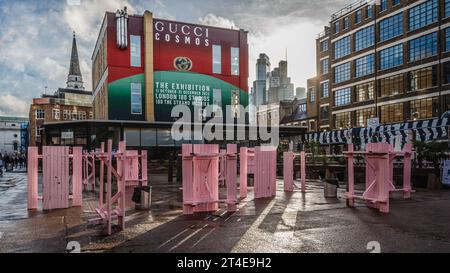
(66, 135)
(446, 173)
(372, 123)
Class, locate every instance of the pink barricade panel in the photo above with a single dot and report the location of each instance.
(231, 173)
(206, 177)
(243, 172)
(55, 178)
(265, 172)
(288, 171)
(32, 169)
(77, 180)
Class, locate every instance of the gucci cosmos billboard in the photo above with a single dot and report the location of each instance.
(154, 65)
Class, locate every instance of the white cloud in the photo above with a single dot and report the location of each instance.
(217, 21)
(12, 105)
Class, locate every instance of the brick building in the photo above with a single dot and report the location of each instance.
(387, 63)
(66, 104)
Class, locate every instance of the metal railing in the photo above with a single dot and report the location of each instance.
(351, 7)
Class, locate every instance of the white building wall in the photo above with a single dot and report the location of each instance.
(9, 134)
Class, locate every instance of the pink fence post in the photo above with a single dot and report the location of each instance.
(32, 168)
(108, 186)
(231, 173)
(288, 171)
(188, 183)
(77, 181)
(265, 172)
(243, 172)
(102, 176)
(303, 170)
(273, 169)
(350, 176)
(144, 173)
(122, 182)
(407, 171)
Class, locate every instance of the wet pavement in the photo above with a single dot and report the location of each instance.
(294, 222)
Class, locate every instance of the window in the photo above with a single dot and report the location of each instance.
(324, 66)
(342, 73)
(364, 38)
(40, 114)
(391, 86)
(365, 65)
(423, 14)
(39, 130)
(342, 97)
(447, 8)
(217, 59)
(447, 39)
(423, 78)
(302, 107)
(325, 90)
(324, 113)
(312, 125)
(423, 47)
(342, 120)
(363, 115)
(369, 12)
(423, 109)
(383, 5)
(135, 51)
(312, 95)
(342, 48)
(66, 114)
(235, 61)
(391, 57)
(391, 27)
(336, 27)
(395, 2)
(74, 115)
(446, 79)
(136, 98)
(91, 115)
(324, 46)
(235, 103)
(346, 23)
(56, 114)
(358, 17)
(364, 92)
(391, 113)
(81, 115)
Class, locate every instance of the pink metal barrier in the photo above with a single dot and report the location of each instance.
(379, 159)
(288, 170)
(56, 189)
(265, 172)
(201, 177)
(247, 166)
(89, 171)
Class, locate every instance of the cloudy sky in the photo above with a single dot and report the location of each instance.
(36, 36)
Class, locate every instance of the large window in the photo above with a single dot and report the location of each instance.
(395, 2)
(40, 114)
(391, 27)
(325, 89)
(342, 73)
(342, 48)
(343, 97)
(324, 46)
(365, 65)
(324, 64)
(358, 17)
(363, 115)
(446, 79)
(392, 113)
(391, 57)
(56, 114)
(336, 27)
(364, 92)
(343, 120)
(391, 86)
(423, 78)
(447, 39)
(346, 23)
(383, 5)
(312, 94)
(217, 59)
(136, 98)
(364, 38)
(447, 8)
(135, 51)
(423, 14)
(423, 47)
(369, 11)
(423, 109)
(235, 61)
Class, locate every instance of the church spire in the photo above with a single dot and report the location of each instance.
(74, 80)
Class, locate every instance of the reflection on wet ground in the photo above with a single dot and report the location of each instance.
(290, 222)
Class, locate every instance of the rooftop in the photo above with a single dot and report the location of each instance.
(353, 6)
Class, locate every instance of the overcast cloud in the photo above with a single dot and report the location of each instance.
(36, 36)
